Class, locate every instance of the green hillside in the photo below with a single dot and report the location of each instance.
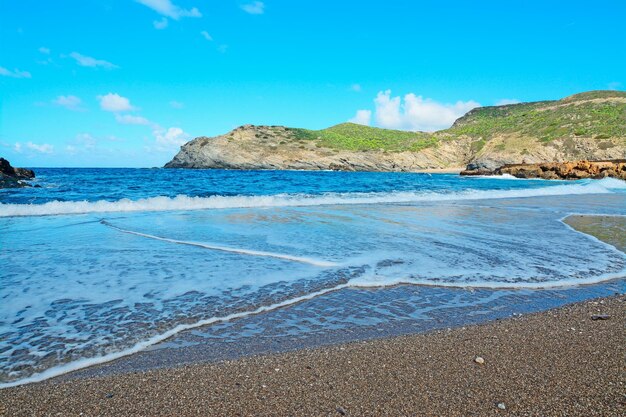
(594, 114)
(354, 137)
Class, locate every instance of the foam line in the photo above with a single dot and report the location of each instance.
(183, 202)
(353, 283)
(550, 285)
(292, 258)
(87, 362)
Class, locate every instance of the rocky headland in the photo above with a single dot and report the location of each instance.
(589, 126)
(11, 177)
(556, 170)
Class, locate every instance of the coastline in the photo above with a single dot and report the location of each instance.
(490, 308)
(557, 362)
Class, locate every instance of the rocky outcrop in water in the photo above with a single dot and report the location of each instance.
(556, 170)
(11, 177)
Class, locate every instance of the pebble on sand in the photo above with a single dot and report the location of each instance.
(479, 360)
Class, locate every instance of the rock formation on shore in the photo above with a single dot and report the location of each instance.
(557, 170)
(586, 126)
(11, 177)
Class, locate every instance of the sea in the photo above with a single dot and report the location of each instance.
(98, 264)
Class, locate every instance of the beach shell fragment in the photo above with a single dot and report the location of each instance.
(479, 360)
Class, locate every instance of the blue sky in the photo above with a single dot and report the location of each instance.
(125, 82)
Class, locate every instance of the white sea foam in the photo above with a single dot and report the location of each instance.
(560, 257)
(361, 282)
(381, 282)
(183, 202)
(310, 261)
(86, 362)
(506, 177)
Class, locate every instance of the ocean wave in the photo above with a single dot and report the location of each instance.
(184, 202)
(371, 281)
(221, 248)
(87, 362)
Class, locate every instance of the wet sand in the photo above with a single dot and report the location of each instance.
(558, 362)
(565, 361)
(610, 229)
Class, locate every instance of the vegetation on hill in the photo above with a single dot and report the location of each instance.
(354, 137)
(594, 114)
(588, 126)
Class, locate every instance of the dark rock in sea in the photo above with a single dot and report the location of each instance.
(556, 170)
(11, 177)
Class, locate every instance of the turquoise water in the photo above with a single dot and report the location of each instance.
(100, 263)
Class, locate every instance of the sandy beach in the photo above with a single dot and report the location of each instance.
(263, 208)
(567, 361)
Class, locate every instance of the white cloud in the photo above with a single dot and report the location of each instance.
(15, 73)
(43, 148)
(69, 102)
(362, 117)
(48, 59)
(614, 85)
(256, 7)
(356, 88)
(86, 140)
(206, 35)
(115, 103)
(169, 9)
(17, 147)
(161, 24)
(128, 119)
(82, 143)
(176, 104)
(416, 112)
(87, 61)
(388, 112)
(505, 101)
(174, 136)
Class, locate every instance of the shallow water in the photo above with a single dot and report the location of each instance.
(101, 263)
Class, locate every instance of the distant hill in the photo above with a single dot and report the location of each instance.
(589, 125)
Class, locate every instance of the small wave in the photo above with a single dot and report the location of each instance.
(372, 281)
(314, 262)
(613, 183)
(378, 281)
(508, 177)
(87, 362)
(183, 202)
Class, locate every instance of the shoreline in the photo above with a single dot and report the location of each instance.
(488, 303)
(606, 228)
(559, 361)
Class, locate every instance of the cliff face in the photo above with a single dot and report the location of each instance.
(265, 147)
(587, 126)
